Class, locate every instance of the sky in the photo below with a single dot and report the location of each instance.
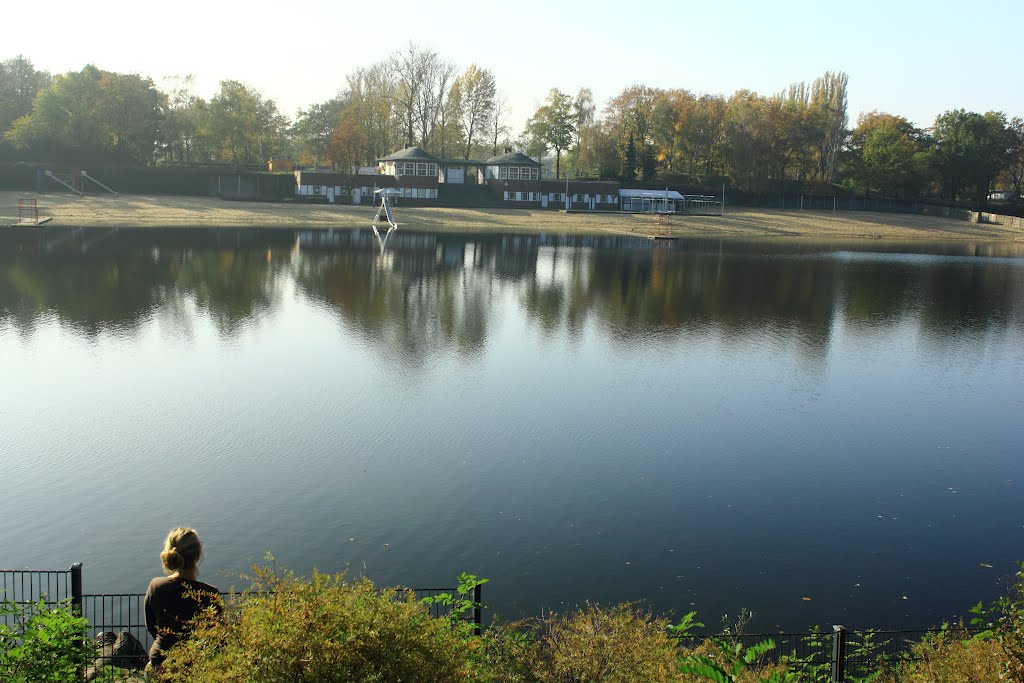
(916, 59)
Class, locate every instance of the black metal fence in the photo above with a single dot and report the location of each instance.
(824, 657)
(26, 587)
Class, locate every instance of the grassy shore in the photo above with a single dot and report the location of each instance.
(170, 211)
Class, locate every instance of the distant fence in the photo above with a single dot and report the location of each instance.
(161, 180)
(117, 612)
(833, 203)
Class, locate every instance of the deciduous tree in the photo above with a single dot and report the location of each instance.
(19, 85)
(478, 91)
(972, 149)
(553, 125)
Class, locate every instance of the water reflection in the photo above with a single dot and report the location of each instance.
(701, 421)
(429, 292)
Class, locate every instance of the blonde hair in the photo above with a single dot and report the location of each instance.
(182, 550)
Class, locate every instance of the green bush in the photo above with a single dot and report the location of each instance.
(620, 644)
(322, 629)
(44, 645)
(949, 656)
(1003, 621)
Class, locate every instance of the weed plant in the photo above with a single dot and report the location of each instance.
(44, 645)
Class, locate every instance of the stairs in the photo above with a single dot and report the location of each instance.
(467, 197)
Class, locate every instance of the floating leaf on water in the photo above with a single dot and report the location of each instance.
(806, 599)
(985, 565)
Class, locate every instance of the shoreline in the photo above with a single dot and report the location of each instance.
(169, 211)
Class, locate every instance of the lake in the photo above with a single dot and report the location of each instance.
(698, 424)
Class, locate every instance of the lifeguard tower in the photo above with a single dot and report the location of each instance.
(385, 194)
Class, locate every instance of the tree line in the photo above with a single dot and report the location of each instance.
(760, 144)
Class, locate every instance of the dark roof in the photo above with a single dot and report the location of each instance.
(512, 159)
(411, 154)
(463, 162)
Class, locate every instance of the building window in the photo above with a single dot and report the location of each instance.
(421, 168)
(432, 169)
(503, 174)
(513, 173)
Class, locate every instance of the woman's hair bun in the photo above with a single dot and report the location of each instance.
(172, 560)
(182, 550)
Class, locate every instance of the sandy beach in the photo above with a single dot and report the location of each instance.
(174, 211)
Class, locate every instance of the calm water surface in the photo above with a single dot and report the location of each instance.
(701, 425)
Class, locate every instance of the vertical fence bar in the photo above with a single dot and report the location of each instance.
(838, 654)
(477, 609)
(76, 603)
(76, 588)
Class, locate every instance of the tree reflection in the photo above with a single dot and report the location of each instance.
(430, 293)
(96, 280)
(418, 299)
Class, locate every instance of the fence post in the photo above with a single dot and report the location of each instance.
(478, 593)
(838, 654)
(76, 588)
(76, 604)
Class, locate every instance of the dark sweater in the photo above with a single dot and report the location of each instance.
(170, 605)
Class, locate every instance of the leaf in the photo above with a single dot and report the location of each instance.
(698, 665)
(758, 650)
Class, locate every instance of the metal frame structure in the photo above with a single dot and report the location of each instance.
(28, 214)
(73, 181)
(385, 195)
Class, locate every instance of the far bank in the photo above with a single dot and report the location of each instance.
(179, 211)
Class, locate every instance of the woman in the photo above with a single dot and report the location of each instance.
(173, 601)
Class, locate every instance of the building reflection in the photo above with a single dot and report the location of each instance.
(429, 293)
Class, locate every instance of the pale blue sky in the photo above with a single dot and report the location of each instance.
(917, 59)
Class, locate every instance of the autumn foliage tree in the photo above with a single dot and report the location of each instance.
(553, 126)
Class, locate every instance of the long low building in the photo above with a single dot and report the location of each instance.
(512, 178)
